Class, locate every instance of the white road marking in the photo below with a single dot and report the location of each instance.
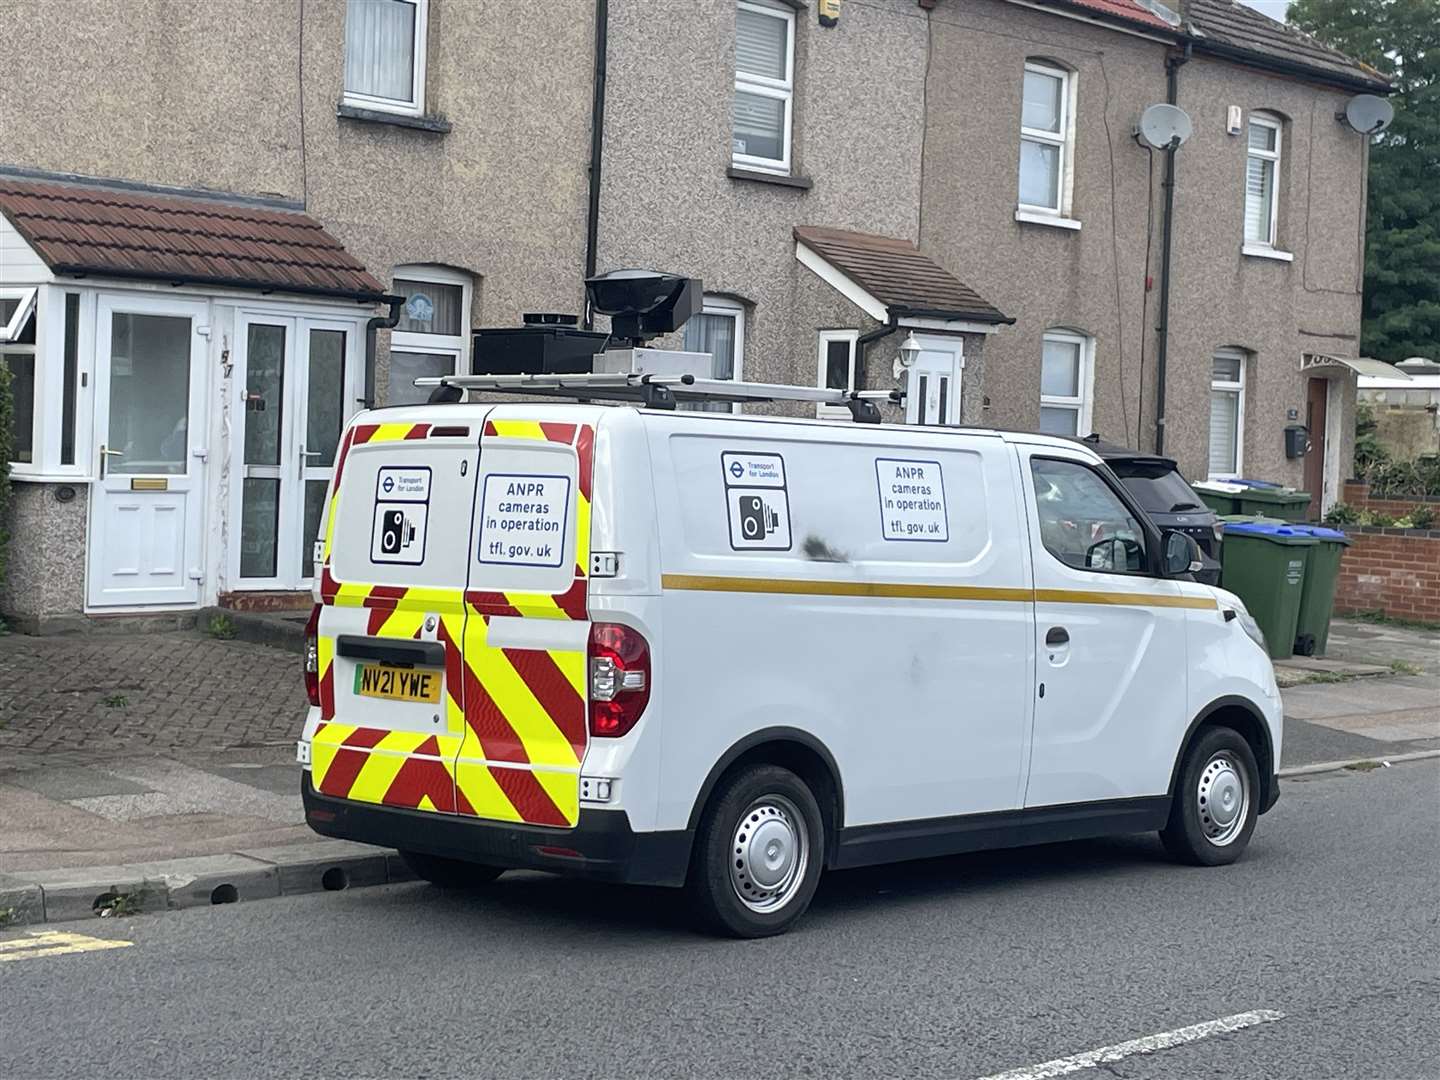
(1146, 1045)
(54, 943)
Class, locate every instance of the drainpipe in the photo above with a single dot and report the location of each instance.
(379, 322)
(597, 140)
(1173, 63)
(864, 341)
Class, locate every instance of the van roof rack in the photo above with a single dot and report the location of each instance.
(657, 391)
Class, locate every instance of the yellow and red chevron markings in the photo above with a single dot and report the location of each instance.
(515, 719)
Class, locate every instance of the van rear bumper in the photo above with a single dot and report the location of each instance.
(602, 846)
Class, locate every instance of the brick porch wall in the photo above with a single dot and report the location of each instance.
(1396, 571)
(1357, 494)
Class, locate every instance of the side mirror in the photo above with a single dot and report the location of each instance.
(1182, 555)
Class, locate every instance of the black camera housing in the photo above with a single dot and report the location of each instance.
(644, 304)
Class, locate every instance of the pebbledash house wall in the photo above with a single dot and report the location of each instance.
(242, 99)
(667, 201)
(1093, 279)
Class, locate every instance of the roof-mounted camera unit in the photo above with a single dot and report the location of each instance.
(643, 304)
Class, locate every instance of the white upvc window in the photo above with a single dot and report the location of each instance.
(385, 55)
(1047, 139)
(836, 367)
(1067, 377)
(764, 86)
(1227, 413)
(433, 335)
(17, 351)
(1262, 179)
(719, 330)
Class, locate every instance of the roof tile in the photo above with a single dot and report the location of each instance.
(93, 229)
(898, 275)
(1236, 26)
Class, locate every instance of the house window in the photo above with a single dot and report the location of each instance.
(432, 336)
(1227, 413)
(17, 350)
(720, 331)
(1047, 139)
(836, 367)
(385, 55)
(1262, 175)
(764, 86)
(1066, 380)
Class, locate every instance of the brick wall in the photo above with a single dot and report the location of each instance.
(1396, 571)
(1357, 494)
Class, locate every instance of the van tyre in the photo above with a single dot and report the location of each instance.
(1216, 801)
(450, 873)
(758, 853)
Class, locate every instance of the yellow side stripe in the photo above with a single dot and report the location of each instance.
(920, 591)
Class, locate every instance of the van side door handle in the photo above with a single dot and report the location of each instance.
(1057, 636)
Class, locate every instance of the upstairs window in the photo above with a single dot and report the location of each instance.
(432, 337)
(1066, 364)
(1227, 413)
(764, 86)
(385, 55)
(1047, 139)
(1262, 176)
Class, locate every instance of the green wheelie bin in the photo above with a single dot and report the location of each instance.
(1263, 563)
(1317, 597)
(1274, 502)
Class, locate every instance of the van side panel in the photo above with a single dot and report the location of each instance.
(870, 589)
(525, 637)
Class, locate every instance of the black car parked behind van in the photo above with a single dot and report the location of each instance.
(1164, 494)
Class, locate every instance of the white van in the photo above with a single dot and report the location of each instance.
(727, 651)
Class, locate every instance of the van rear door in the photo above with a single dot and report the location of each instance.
(392, 616)
(528, 628)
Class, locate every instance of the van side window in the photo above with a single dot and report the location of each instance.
(1082, 522)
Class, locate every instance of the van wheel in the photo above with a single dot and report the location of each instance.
(450, 873)
(1216, 803)
(757, 854)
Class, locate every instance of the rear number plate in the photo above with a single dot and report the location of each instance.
(396, 683)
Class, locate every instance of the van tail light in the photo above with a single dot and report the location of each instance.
(619, 679)
(312, 655)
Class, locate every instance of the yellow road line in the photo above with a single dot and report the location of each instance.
(54, 943)
(921, 591)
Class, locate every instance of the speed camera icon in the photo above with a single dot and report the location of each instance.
(399, 533)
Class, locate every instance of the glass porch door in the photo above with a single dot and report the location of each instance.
(298, 393)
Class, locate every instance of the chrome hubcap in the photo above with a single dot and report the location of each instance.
(1223, 799)
(769, 853)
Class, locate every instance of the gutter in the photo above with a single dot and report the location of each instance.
(364, 296)
(1289, 67)
(597, 142)
(1173, 64)
(379, 322)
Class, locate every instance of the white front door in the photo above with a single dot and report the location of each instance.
(933, 392)
(146, 543)
(297, 378)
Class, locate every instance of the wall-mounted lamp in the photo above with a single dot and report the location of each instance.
(909, 353)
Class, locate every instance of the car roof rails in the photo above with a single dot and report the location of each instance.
(657, 391)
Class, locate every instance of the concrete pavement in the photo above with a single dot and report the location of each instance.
(963, 967)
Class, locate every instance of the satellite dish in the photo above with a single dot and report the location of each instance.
(1164, 127)
(1368, 114)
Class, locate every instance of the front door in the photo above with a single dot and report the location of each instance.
(933, 395)
(1316, 392)
(297, 376)
(146, 543)
(1111, 647)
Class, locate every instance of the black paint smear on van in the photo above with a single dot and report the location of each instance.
(818, 550)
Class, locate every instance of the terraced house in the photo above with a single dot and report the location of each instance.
(223, 230)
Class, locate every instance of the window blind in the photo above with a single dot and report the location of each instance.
(1224, 430)
(380, 49)
(760, 44)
